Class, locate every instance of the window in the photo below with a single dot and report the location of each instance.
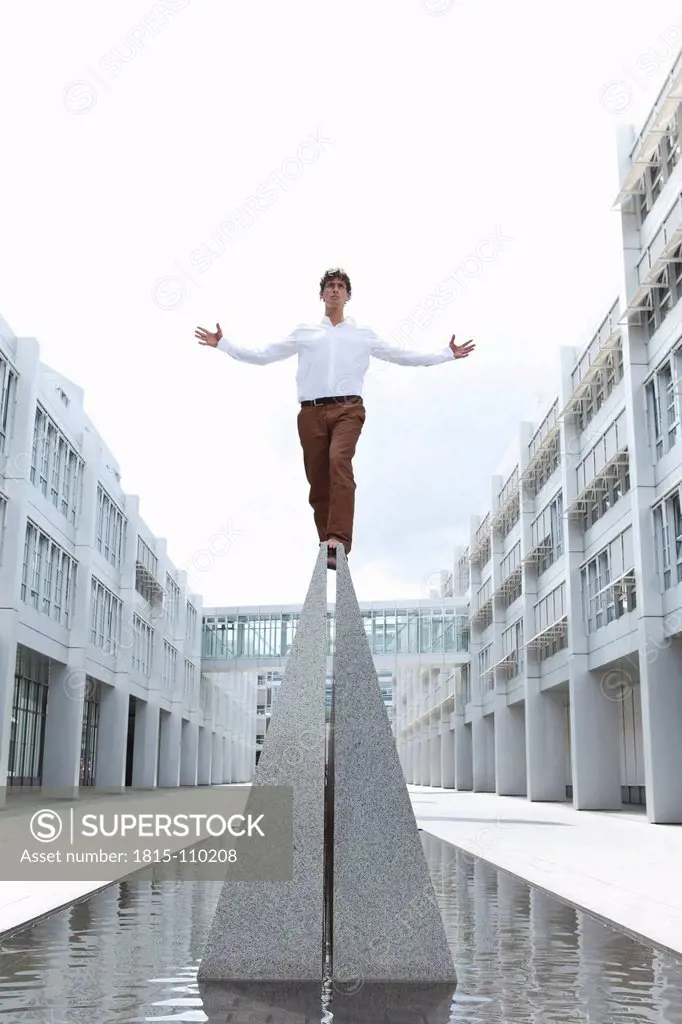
(668, 526)
(170, 657)
(205, 694)
(171, 604)
(513, 592)
(604, 380)
(656, 176)
(143, 646)
(3, 514)
(663, 405)
(146, 573)
(111, 528)
(608, 583)
(603, 475)
(8, 387)
(508, 503)
(190, 672)
(191, 624)
(511, 561)
(665, 293)
(549, 609)
(484, 609)
(546, 533)
(664, 159)
(105, 618)
(56, 467)
(512, 648)
(480, 553)
(48, 580)
(485, 673)
(548, 465)
(671, 150)
(548, 612)
(28, 718)
(465, 683)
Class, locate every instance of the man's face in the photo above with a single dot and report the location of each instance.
(335, 293)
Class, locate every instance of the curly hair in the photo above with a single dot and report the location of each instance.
(330, 275)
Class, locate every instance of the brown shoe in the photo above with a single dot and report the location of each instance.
(331, 552)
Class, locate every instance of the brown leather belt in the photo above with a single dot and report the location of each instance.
(340, 399)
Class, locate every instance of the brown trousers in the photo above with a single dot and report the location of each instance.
(328, 435)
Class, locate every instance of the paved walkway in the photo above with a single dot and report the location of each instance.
(615, 865)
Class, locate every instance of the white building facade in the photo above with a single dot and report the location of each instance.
(101, 681)
(573, 575)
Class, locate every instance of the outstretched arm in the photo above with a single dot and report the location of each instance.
(272, 354)
(410, 357)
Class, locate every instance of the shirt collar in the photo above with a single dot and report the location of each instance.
(346, 320)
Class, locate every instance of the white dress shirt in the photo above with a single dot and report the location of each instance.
(333, 360)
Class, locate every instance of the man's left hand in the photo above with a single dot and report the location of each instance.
(461, 351)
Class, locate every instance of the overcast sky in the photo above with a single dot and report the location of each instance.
(178, 163)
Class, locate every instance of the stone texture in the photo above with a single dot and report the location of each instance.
(273, 931)
(386, 925)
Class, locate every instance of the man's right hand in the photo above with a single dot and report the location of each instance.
(208, 337)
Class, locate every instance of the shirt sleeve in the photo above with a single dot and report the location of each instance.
(381, 349)
(271, 354)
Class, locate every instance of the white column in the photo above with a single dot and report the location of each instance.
(226, 759)
(480, 741)
(409, 777)
(434, 753)
(205, 751)
(546, 744)
(595, 741)
(510, 748)
(146, 746)
(112, 738)
(425, 759)
(464, 756)
(8, 664)
(189, 754)
(63, 727)
(227, 750)
(171, 745)
(447, 752)
(216, 760)
(661, 693)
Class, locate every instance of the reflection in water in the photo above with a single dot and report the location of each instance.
(300, 1004)
(130, 954)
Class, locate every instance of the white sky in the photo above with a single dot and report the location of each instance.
(445, 122)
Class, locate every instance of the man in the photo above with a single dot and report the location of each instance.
(333, 357)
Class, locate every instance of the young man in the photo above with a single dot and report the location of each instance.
(333, 357)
